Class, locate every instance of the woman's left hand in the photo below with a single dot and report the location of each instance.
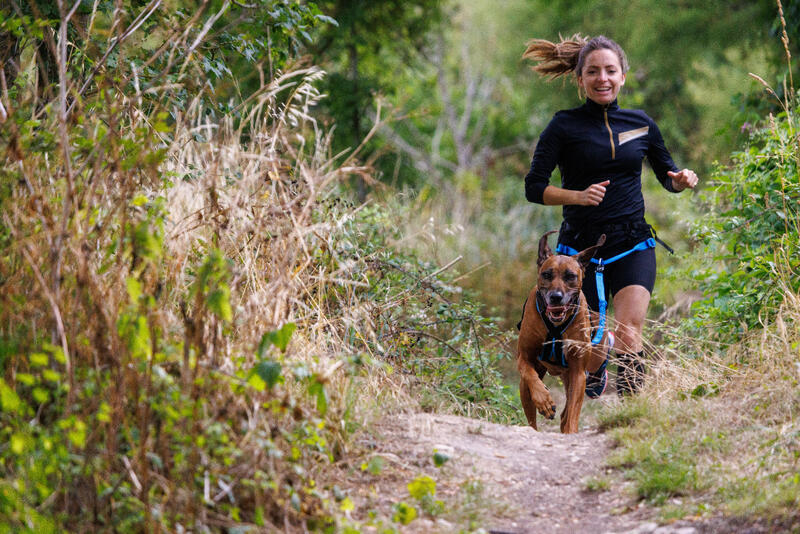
(683, 179)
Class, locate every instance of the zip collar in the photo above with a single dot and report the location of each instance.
(597, 109)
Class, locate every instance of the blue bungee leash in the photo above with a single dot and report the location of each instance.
(650, 242)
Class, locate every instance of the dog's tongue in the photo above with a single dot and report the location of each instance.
(556, 311)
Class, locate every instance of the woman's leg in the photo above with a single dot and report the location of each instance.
(630, 311)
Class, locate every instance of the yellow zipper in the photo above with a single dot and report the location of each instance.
(610, 133)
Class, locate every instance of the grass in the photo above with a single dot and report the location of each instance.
(719, 434)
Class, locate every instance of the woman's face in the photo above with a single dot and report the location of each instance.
(602, 76)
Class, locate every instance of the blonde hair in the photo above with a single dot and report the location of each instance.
(568, 56)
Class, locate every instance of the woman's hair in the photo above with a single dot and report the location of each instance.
(569, 55)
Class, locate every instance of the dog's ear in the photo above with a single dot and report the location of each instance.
(544, 248)
(585, 256)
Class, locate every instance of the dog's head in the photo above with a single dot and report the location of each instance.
(561, 278)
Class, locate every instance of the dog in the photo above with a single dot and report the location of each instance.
(557, 299)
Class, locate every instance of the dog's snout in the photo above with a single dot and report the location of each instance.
(555, 298)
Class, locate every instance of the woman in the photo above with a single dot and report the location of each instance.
(599, 148)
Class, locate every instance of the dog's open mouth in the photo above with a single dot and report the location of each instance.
(557, 314)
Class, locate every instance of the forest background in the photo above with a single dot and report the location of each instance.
(235, 234)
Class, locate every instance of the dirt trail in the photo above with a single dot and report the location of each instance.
(531, 481)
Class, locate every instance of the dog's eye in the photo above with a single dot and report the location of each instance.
(547, 275)
(570, 276)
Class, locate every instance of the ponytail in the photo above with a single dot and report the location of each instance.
(560, 59)
(553, 59)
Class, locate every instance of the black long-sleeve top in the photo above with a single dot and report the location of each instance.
(593, 143)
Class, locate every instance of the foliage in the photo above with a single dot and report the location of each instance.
(181, 288)
(750, 233)
(373, 51)
(422, 323)
(225, 51)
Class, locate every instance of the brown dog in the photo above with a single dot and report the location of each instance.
(557, 299)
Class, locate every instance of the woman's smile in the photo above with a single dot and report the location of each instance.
(602, 76)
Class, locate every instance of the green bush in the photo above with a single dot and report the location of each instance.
(750, 248)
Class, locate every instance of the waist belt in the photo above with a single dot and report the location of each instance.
(598, 277)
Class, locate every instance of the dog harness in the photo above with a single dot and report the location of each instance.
(553, 346)
(650, 242)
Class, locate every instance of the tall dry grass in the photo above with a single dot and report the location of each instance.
(151, 261)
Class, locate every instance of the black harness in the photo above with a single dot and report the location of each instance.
(553, 347)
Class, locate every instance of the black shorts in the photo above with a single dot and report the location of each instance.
(637, 268)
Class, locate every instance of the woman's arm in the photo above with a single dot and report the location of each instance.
(667, 172)
(591, 196)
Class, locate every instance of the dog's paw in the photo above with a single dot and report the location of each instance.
(544, 404)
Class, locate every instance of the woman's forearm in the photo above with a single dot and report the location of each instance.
(558, 196)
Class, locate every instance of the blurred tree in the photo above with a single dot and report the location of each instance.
(375, 49)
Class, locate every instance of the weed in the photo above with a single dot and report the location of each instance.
(623, 414)
(597, 484)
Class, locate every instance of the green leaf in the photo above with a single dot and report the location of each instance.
(18, 443)
(280, 338)
(404, 513)
(269, 371)
(9, 400)
(39, 359)
(422, 486)
(134, 288)
(317, 389)
(40, 395)
(50, 375)
(26, 379)
(256, 382)
(77, 435)
(219, 302)
(104, 412)
(439, 458)
(374, 466)
(347, 505)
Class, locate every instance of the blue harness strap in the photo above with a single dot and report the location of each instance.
(598, 277)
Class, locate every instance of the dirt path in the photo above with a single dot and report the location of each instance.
(529, 481)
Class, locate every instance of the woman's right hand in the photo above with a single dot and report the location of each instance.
(593, 195)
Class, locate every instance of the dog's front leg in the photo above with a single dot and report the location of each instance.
(574, 386)
(533, 393)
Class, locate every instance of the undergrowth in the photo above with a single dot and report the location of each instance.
(194, 321)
